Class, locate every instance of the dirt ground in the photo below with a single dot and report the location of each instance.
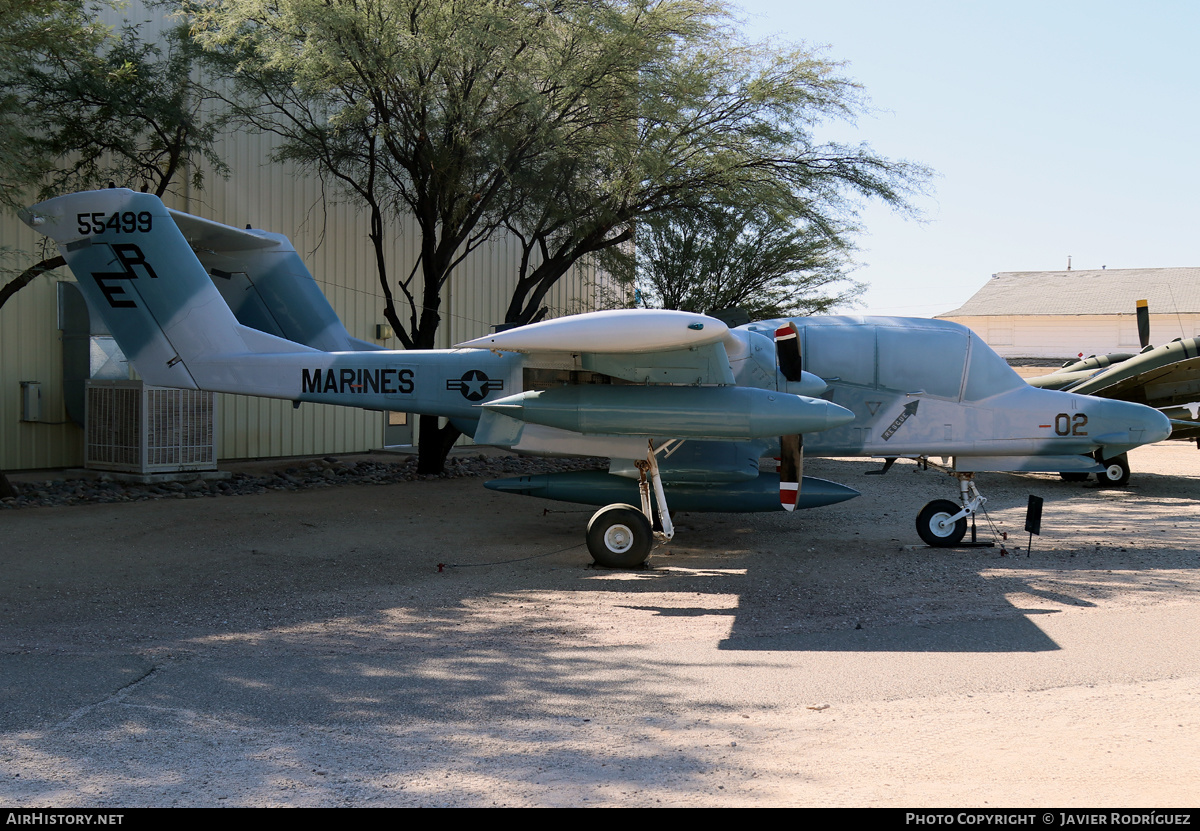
(434, 643)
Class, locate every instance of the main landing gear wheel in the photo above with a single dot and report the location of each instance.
(1074, 476)
(933, 527)
(619, 536)
(1115, 473)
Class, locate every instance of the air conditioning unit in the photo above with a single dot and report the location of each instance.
(134, 427)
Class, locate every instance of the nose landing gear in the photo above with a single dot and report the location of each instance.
(942, 523)
(937, 525)
(1115, 474)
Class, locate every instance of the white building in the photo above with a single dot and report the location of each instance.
(1061, 314)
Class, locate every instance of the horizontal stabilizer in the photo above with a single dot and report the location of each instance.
(1185, 430)
(218, 238)
(266, 284)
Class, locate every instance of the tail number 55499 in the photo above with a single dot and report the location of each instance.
(120, 222)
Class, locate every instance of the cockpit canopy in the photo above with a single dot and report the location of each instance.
(934, 357)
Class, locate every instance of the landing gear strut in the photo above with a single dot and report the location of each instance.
(620, 535)
(942, 523)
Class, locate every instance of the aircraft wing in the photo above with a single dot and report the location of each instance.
(1173, 379)
(642, 346)
(1165, 376)
(1060, 380)
(1185, 430)
(680, 385)
(679, 381)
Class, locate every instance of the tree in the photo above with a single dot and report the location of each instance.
(430, 107)
(562, 121)
(110, 108)
(718, 258)
(718, 129)
(33, 33)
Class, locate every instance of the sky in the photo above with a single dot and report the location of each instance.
(1055, 129)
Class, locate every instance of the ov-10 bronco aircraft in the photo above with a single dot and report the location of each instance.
(682, 405)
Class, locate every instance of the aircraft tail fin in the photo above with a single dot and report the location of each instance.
(137, 270)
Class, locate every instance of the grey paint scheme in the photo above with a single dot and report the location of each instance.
(593, 487)
(915, 387)
(968, 401)
(266, 284)
(172, 322)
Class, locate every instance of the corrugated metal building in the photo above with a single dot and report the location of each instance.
(1060, 314)
(332, 239)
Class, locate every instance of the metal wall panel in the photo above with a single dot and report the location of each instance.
(31, 350)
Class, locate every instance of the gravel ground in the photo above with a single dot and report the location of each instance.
(429, 642)
(45, 489)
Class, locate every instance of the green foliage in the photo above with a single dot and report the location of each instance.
(437, 108)
(711, 259)
(34, 34)
(82, 106)
(715, 129)
(565, 122)
(130, 112)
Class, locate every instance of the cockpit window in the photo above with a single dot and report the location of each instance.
(989, 373)
(846, 353)
(941, 361)
(917, 359)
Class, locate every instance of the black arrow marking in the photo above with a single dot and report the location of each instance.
(909, 409)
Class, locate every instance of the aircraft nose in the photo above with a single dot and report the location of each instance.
(1146, 425)
(1158, 427)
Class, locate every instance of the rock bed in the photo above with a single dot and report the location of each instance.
(327, 472)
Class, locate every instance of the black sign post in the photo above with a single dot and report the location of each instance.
(1033, 520)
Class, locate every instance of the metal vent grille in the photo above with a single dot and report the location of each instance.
(112, 427)
(137, 428)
